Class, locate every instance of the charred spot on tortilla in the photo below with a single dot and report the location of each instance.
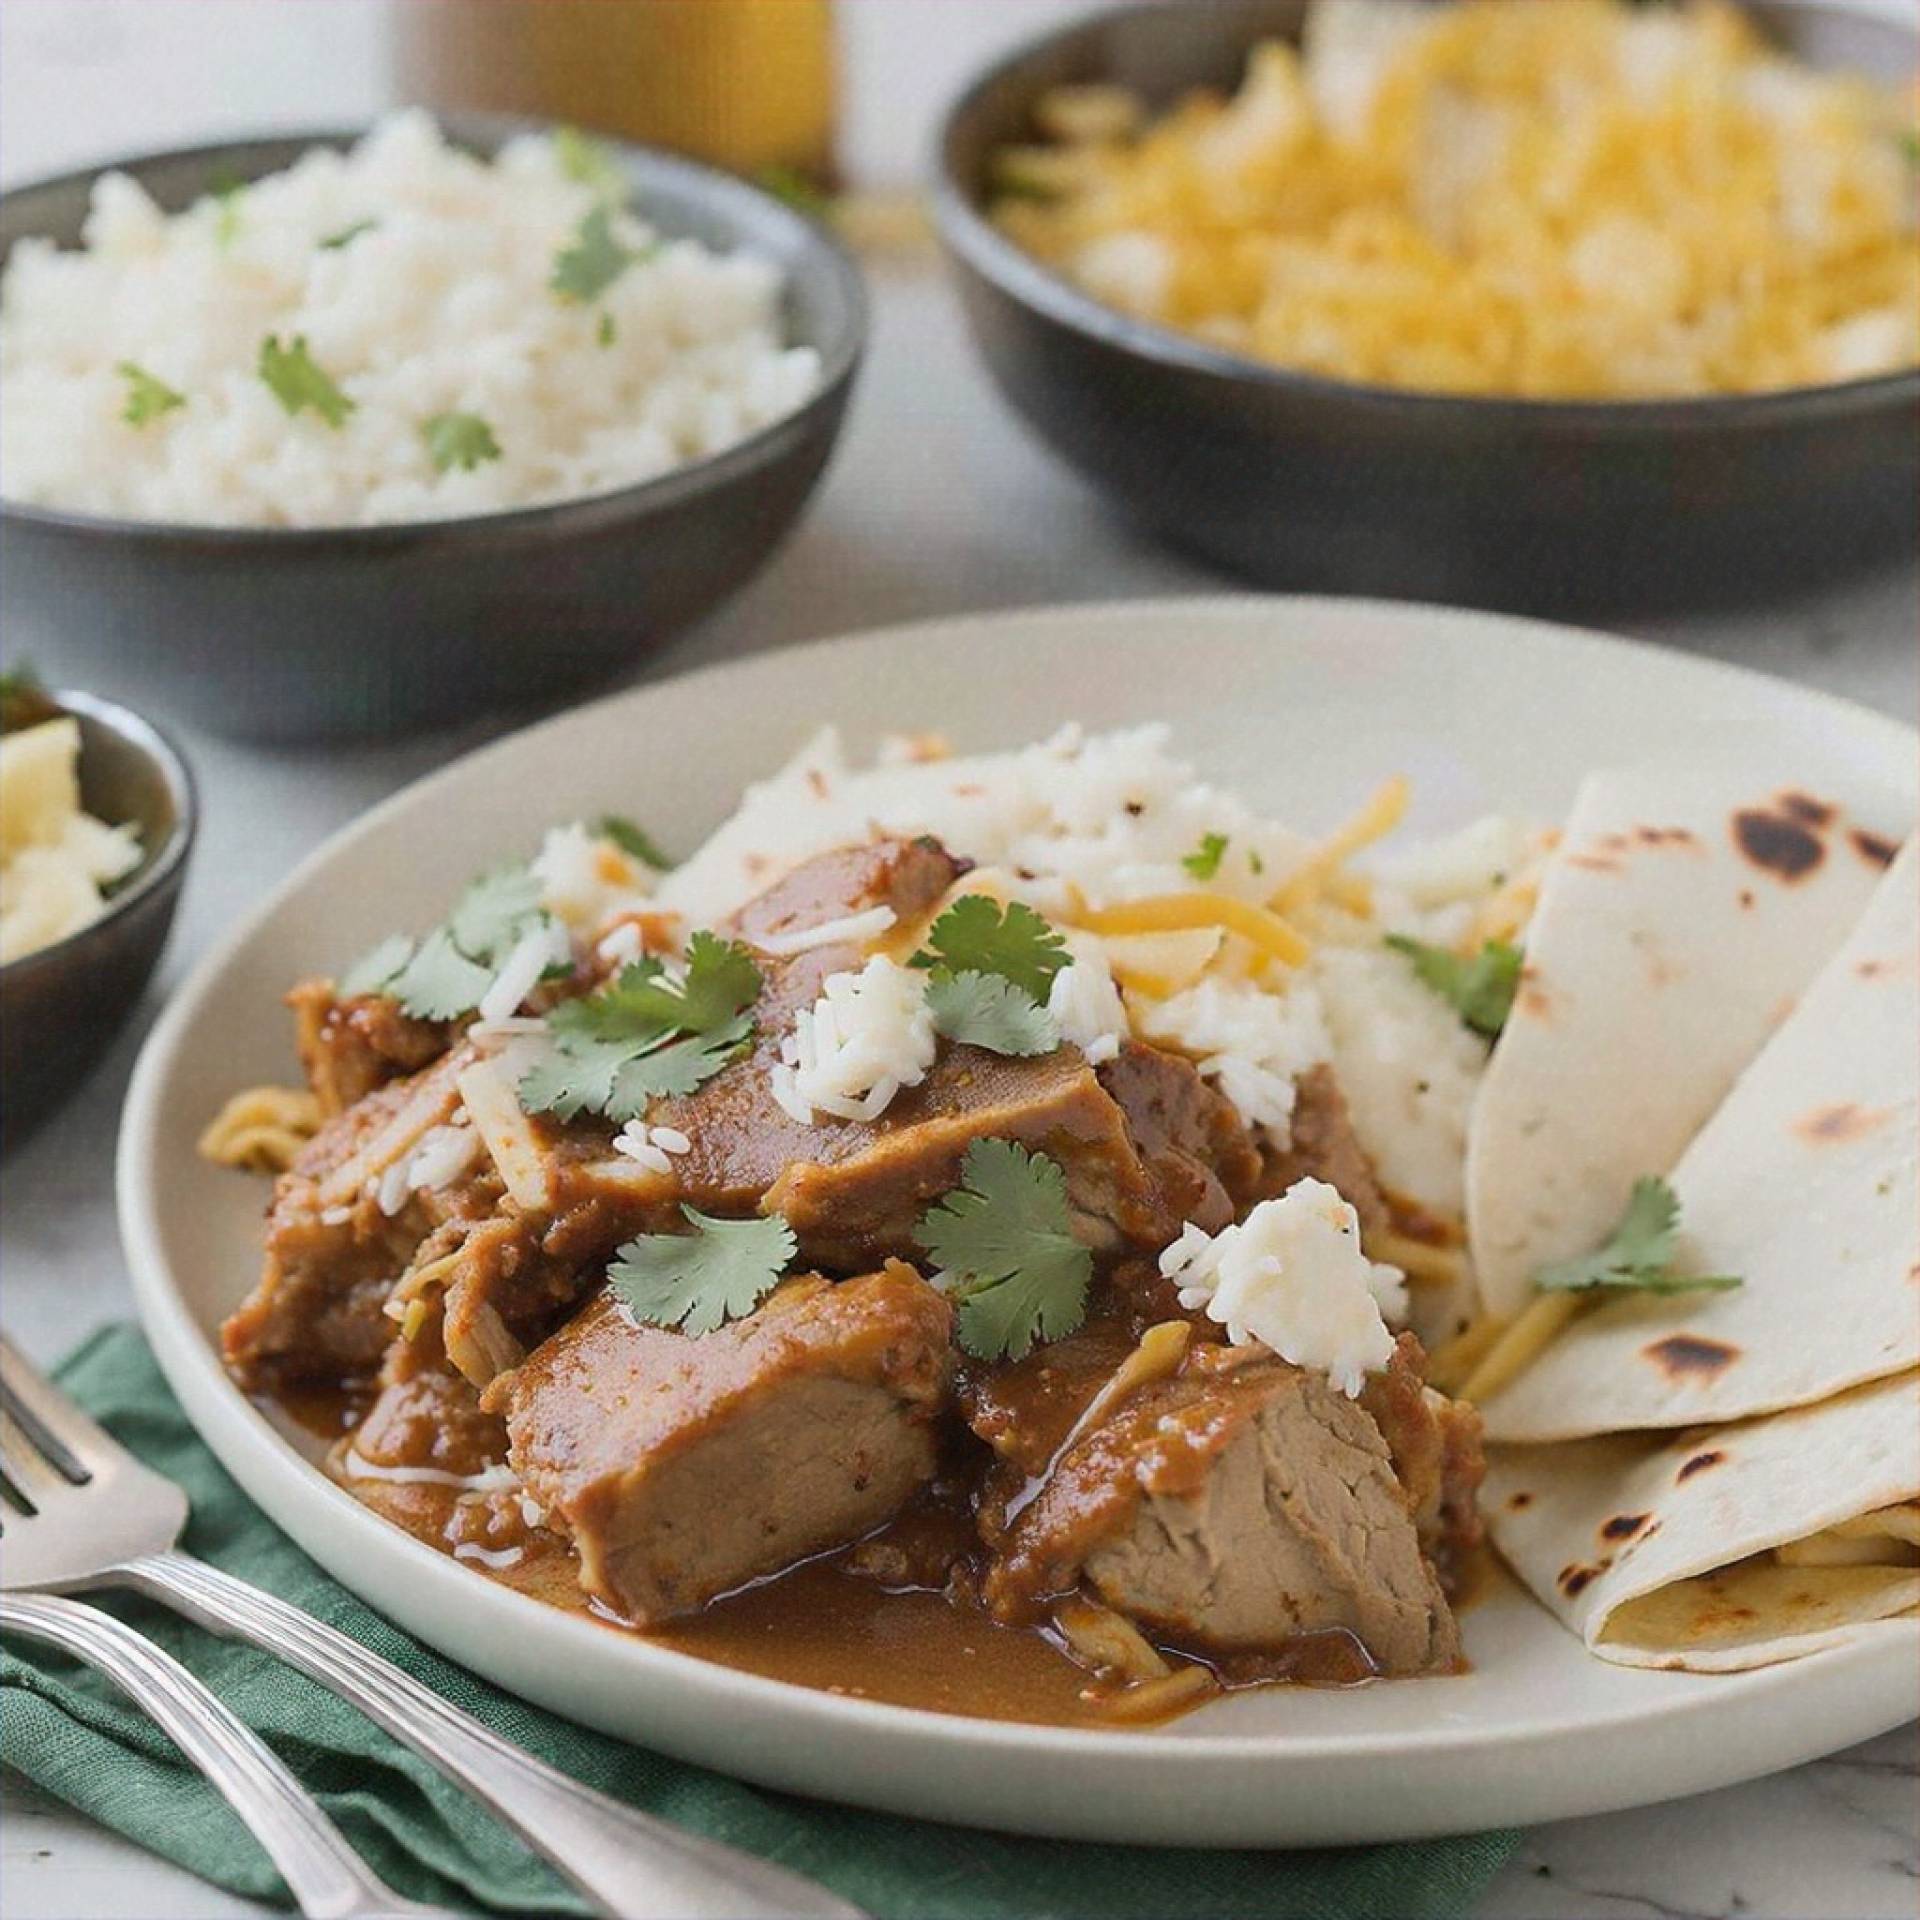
(1746, 897)
(1873, 848)
(1666, 836)
(1777, 844)
(1680, 1354)
(1699, 1463)
(1519, 1502)
(1532, 1000)
(1844, 1120)
(1623, 1526)
(1594, 862)
(1805, 808)
(1575, 1579)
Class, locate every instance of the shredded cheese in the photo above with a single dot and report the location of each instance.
(1181, 912)
(1521, 1342)
(1381, 814)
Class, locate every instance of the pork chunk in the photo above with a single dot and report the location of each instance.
(351, 1046)
(1323, 1146)
(1435, 1444)
(1234, 1508)
(1200, 1158)
(854, 1192)
(685, 1466)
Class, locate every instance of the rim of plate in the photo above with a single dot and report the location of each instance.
(214, 1402)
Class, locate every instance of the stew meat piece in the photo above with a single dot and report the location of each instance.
(854, 1192)
(1234, 1507)
(351, 1046)
(1322, 1145)
(685, 1467)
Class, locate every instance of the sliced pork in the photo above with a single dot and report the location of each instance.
(684, 1467)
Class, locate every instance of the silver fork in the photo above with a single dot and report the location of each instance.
(102, 1519)
(329, 1880)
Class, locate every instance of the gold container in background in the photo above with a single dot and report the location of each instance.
(745, 84)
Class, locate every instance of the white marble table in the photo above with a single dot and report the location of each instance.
(936, 503)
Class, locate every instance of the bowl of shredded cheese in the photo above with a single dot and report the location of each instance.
(96, 823)
(1577, 302)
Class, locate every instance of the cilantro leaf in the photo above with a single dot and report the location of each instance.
(977, 935)
(439, 982)
(603, 330)
(147, 396)
(1004, 1242)
(1480, 990)
(374, 972)
(296, 382)
(493, 912)
(347, 235)
(462, 440)
(586, 160)
(632, 838)
(802, 194)
(698, 1281)
(1204, 862)
(1639, 1254)
(645, 1036)
(445, 975)
(228, 191)
(592, 261)
(986, 1010)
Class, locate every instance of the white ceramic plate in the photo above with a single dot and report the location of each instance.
(1300, 704)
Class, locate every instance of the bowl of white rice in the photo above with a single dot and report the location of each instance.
(360, 432)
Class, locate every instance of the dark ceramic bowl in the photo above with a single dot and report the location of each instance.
(61, 1006)
(1315, 484)
(283, 634)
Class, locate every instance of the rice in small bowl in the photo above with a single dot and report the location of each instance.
(354, 432)
(401, 332)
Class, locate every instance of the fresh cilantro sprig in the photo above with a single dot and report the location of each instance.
(985, 1010)
(1639, 1254)
(632, 838)
(802, 194)
(1004, 1244)
(445, 973)
(646, 1036)
(296, 381)
(347, 235)
(1204, 861)
(462, 440)
(148, 396)
(698, 1281)
(991, 969)
(592, 260)
(1480, 990)
(977, 935)
(228, 192)
(586, 161)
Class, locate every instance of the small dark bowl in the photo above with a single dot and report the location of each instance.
(1321, 485)
(62, 1006)
(332, 633)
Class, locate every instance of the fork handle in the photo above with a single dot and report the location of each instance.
(628, 1865)
(329, 1880)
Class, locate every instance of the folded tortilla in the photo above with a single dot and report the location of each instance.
(1716, 1549)
(1804, 1185)
(1679, 919)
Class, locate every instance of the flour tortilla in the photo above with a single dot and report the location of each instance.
(1656, 1549)
(1679, 919)
(1803, 1184)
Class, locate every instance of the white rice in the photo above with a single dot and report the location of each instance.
(441, 307)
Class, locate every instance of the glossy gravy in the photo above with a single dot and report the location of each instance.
(819, 1624)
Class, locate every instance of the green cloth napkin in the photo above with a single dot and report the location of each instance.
(83, 1742)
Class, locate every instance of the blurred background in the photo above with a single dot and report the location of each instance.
(221, 67)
